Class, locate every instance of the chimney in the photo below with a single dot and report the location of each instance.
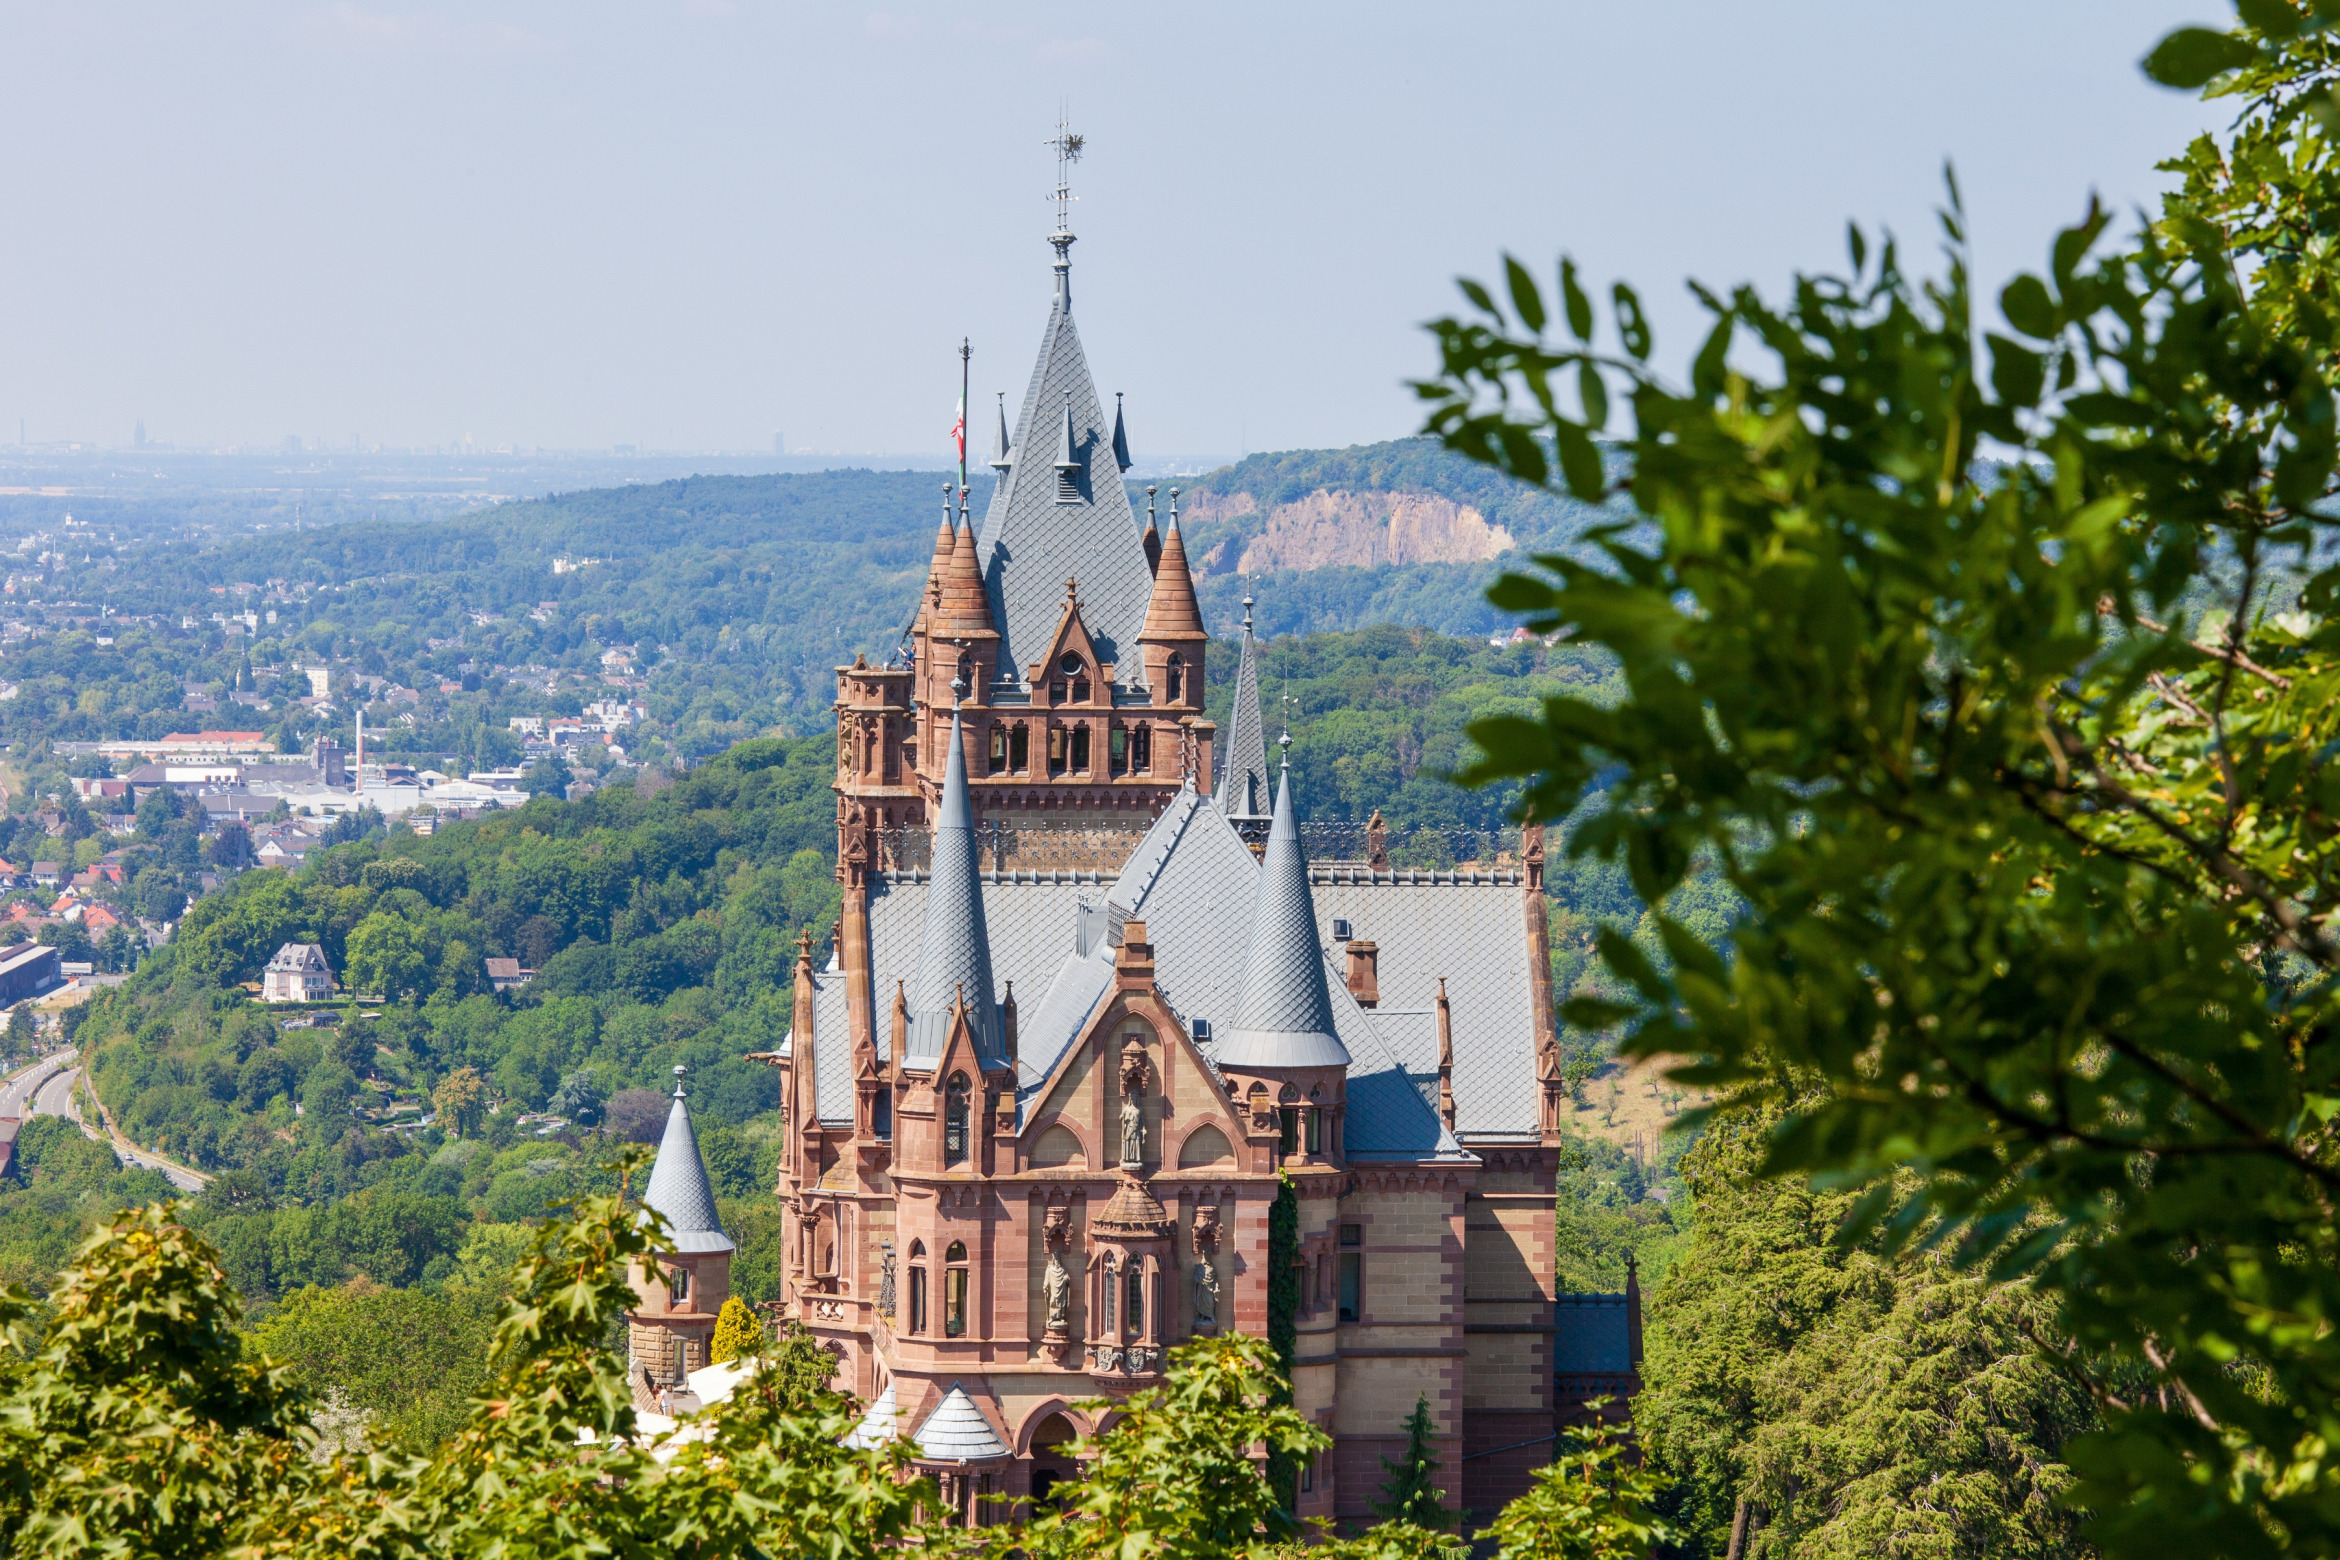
(1364, 972)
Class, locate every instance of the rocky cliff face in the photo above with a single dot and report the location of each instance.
(1336, 526)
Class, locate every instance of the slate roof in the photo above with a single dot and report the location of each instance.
(679, 1187)
(880, 1425)
(1285, 1016)
(1243, 767)
(1474, 934)
(1030, 543)
(954, 950)
(957, 1432)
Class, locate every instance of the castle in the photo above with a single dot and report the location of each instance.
(1104, 1061)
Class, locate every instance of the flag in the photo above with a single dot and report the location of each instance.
(959, 433)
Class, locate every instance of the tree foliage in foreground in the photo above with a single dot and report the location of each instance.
(135, 1423)
(1957, 651)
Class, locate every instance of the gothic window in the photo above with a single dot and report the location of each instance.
(1133, 1311)
(1056, 691)
(1056, 750)
(1112, 1293)
(1080, 750)
(883, 1114)
(1141, 750)
(955, 1289)
(1177, 678)
(955, 1119)
(917, 1286)
(1288, 1119)
(1117, 750)
(1315, 1135)
(999, 750)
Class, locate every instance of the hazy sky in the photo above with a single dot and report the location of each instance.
(690, 223)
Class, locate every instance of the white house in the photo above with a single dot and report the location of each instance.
(298, 973)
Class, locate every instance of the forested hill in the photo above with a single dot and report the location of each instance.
(737, 595)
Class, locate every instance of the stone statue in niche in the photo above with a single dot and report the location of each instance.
(885, 1295)
(1133, 1089)
(1206, 1273)
(1056, 1278)
(1058, 1289)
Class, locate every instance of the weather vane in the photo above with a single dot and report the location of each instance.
(1068, 151)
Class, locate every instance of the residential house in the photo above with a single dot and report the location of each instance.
(47, 874)
(298, 973)
(507, 975)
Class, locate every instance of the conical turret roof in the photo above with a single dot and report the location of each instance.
(1243, 770)
(957, 1432)
(1174, 613)
(965, 611)
(954, 950)
(1285, 1016)
(679, 1187)
(937, 569)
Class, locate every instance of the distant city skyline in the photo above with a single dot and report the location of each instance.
(692, 226)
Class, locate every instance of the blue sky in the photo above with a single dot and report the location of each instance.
(690, 223)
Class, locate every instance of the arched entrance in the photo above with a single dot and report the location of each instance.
(1054, 1467)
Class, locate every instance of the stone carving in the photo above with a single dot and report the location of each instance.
(1133, 1088)
(1058, 1289)
(885, 1294)
(1206, 1272)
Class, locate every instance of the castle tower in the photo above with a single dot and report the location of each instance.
(673, 1321)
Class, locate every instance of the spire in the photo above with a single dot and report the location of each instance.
(1243, 783)
(954, 950)
(679, 1187)
(1285, 1016)
(1153, 538)
(1120, 435)
(1001, 455)
(1174, 613)
(937, 567)
(965, 612)
(1067, 461)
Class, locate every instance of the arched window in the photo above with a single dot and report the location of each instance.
(1288, 1118)
(1117, 750)
(1133, 1310)
(1112, 1288)
(678, 1287)
(999, 750)
(1141, 750)
(1080, 750)
(1177, 678)
(1056, 750)
(1020, 747)
(955, 1289)
(917, 1286)
(1078, 670)
(955, 1120)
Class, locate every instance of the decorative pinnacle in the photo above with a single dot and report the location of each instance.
(1247, 604)
(1149, 503)
(1285, 743)
(678, 1075)
(1174, 509)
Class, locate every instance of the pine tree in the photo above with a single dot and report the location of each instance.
(1411, 1493)
(736, 1332)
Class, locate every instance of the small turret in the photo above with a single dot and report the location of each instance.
(1284, 1019)
(1243, 776)
(954, 950)
(1173, 639)
(1068, 459)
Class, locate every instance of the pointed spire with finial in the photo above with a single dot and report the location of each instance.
(679, 1187)
(1068, 460)
(1153, 537)
(1120, 435)
(954, 951)
(1173, 613)
(1243, 783)
(1284, 1018)
(1003, 453)
(1068, 151)
(937, 567)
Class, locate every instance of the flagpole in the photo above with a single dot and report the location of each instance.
(966, 351)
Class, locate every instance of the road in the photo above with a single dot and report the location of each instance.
(47, 1089)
